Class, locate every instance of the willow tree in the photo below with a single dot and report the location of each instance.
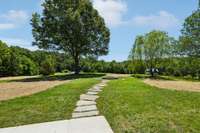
(136, 52)
(73, 27)
(136, 55)
(151, 48)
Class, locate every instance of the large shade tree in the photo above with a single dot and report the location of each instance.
(190, 43)
(73, 27)
(190, 39)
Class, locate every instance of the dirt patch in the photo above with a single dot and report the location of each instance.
(16, 89)
(17, 77)
(175, 85)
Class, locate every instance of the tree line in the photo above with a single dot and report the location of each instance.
(15, 61)
(20, 61)
(72, 35)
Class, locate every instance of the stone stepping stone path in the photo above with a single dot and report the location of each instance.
(86, 106)
(86, 111)
(84, 103)
(92, 93)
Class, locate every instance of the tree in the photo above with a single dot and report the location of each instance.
(136, 52)
(190, 39)
(151, 48)
(28, 67)
(20, 64)
(48, 66)
(189, 45)
(72, 26)
(137, 55)
(4, 58)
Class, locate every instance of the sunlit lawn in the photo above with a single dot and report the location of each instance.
(131, 106)
(54, 104)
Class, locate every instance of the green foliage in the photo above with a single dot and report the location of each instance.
(28, 66)
(79, 34)
(16, 61)
(138, 67)
(190, 39)
(72, 26)
(125, 67)
(48, 66)
(22, 65)
(150, 48)
(137, 50)
(130, 106)
(4, 59)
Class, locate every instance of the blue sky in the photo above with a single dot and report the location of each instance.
(125, 18)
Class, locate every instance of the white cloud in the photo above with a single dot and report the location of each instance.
(111, 10)
(12, 19)
(162, 20)
(4, 26)
(15, 16)
(15, 41)
(19, 42)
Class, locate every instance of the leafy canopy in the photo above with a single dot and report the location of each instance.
(151, 48)
(72, 26)
(190, 39)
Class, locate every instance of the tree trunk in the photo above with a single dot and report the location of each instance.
(76, 65)
(151, 72)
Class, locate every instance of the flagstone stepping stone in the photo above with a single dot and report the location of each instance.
(96, 87)
(102, 85)
(85, 114)
(85, 103)
(92, 93)
(88, 97)
(86, 108)
(95, 90)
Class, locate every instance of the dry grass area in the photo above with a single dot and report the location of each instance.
(175, 85)
(16, 89)
(16, 77)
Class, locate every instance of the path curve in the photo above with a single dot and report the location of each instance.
(86, 106)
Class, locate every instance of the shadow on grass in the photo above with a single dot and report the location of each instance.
(158, 77)
(59, 77)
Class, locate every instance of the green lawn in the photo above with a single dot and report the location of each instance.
(131, 106)
(54, 104)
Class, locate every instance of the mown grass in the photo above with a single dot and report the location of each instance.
(131, 106)
(54, 104)
(4, 81)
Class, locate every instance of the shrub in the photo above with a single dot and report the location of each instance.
(28, 67)
(48, 66)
